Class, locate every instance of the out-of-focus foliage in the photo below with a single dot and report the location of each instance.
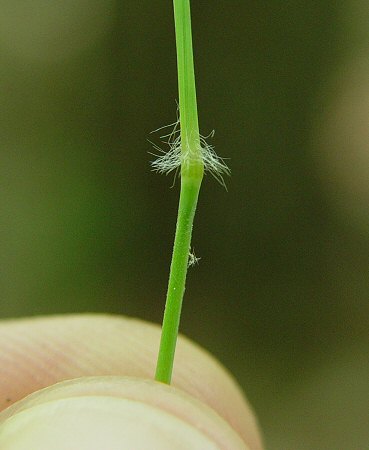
(281, 291)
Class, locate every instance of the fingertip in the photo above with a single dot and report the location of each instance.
(42, 351)
(114, 413)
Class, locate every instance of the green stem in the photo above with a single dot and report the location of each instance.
(177, 280)
(186, 74)
(192, 170)
(192, 166)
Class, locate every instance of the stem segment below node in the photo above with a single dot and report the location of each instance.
(177, 279)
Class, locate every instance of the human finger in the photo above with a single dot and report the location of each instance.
(39, 352)
(114, 413)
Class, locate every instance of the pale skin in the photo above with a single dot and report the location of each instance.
(116, 404)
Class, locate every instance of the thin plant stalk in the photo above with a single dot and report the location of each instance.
(192, 170)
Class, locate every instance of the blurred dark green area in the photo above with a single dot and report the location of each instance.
(281, 292)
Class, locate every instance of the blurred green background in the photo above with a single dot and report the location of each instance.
(281, 292)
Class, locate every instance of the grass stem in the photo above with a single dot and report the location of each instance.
(192, 170)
